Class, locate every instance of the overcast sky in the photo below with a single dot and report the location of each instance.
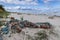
(31, 6)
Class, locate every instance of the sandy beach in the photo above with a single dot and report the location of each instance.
(29, 19)
(30, 31)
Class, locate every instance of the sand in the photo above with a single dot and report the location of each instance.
(36, 18)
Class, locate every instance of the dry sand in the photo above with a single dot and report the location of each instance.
(36, 18)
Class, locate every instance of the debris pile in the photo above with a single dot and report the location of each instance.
(16, 26)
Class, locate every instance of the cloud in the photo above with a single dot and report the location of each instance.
(17, 8)
(23, 2)
(12, 8)
(25, 8)
(46, 1)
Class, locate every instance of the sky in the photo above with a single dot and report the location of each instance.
(32, 6)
